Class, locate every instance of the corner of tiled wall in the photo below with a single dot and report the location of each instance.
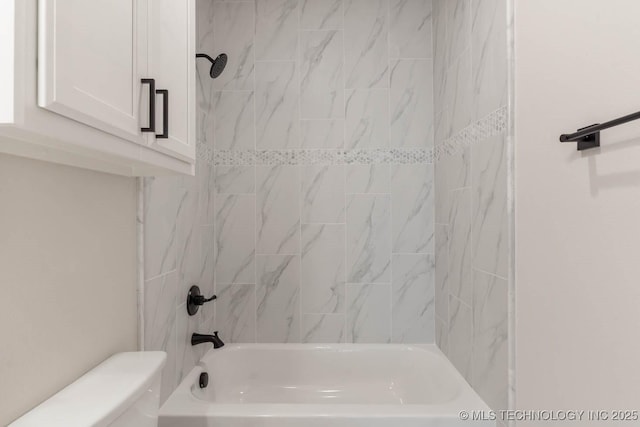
(470, 69)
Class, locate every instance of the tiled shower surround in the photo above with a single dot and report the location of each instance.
(311, 213)
(471, 206)
(320, 136)
(315, 215)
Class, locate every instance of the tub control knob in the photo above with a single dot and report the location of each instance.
(195, 299)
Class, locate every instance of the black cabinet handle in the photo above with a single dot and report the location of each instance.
(152, 105)
(165, 113)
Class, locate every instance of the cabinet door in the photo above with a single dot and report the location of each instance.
(92, 55)
(172, 63)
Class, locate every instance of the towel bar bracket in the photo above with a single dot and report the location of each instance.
(589, 141)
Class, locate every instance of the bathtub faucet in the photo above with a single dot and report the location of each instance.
(213, 339)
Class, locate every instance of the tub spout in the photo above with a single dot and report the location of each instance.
(213, 339)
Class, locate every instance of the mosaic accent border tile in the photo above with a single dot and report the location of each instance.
(493, 124)
(313, 157)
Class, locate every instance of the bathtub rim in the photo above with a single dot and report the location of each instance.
(183, 403)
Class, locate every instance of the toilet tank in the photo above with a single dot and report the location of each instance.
(123, 391)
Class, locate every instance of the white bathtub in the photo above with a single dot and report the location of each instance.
(310, 385)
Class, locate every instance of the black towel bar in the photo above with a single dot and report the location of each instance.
(589, 137)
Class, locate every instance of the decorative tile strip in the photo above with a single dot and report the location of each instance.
(401, 156)
(493, 124)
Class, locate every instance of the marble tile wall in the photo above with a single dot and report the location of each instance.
(301, 251)
(320, 251)
(178, 227)
(471, 242)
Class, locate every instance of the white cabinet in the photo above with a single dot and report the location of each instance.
(73, 73)
(171, 63)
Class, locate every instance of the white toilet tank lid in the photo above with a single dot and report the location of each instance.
(99, 395)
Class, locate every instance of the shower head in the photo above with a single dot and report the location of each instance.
(217, 65)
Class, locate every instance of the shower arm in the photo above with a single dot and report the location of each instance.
(204, 55)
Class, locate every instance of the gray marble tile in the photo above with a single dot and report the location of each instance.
(490, 234)
(323, 328)
(411, 103)
(236, 312)
(458, 92)
(323, 272)
(230, 35)
(368, 313)
(321, 75)
(367, 118)
(442, 126)
(321, 15)
(234, 117)
(442, 335)
(458, 25)
(278, 298)
(368, 179)
(204, 83)
(161, 201)
(460, 251)
(489, 56)
(276, 33)
(187, 355)
(458, 169)
(490, 348)
(413, 293)
(189, 242)
(235, 239)
(207, 266)
(160, 325)
(440, 43)
(277, 124)
(369, 238)
(442, 192)
(366, 53)
(160, 297)
(460, 337)
(278, 209)
(412, 208)
(205, 186)
(442, 271)
(410, 29)
(322, 134)
(235, 179)
(323, 198)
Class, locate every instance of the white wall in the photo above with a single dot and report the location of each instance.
(67, 277)
(577, 215)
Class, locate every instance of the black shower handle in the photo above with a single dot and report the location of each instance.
(152, 105)
(165, 113)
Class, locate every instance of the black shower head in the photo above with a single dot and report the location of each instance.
(217, 65)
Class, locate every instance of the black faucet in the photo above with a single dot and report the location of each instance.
(213, 339)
